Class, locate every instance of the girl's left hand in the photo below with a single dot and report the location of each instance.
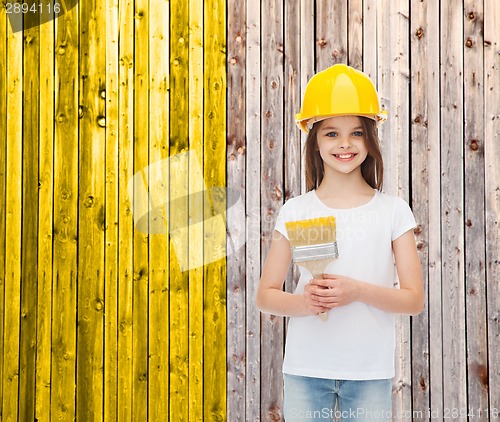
(335, 290)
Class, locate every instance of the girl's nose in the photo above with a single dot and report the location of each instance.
(344, 142)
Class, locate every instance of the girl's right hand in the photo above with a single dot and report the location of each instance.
(313, 305)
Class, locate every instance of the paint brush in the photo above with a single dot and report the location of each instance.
(314, 244)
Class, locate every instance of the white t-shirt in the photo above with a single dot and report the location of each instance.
(357, 341)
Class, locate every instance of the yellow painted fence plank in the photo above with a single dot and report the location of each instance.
(12, 291)
(196, 187)
(65, 218)
(214, 162)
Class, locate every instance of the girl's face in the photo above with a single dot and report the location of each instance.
(341, 144)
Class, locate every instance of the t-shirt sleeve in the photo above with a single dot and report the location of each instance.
(282, 219)
(402, 219)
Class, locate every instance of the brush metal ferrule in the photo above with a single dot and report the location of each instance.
(315, 252)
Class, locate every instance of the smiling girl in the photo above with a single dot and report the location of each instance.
(341, 368)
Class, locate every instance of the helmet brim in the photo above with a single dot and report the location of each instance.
(306, 124)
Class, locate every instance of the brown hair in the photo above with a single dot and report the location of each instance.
(372, 169)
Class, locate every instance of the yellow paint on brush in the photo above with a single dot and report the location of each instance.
(314, 231)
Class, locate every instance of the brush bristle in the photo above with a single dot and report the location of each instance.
(311, 232)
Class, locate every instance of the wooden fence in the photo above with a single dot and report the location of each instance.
(120, 122)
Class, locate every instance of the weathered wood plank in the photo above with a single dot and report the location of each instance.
(13, 226)
(125, 224)
(141, 250)
(422, 150)
(475, 276)
(292, 99)
(158, 378)
(492, 191)
(393, 76)
(214, 168)
(29, 241)
(331, 33)
(307, 65)
(45, 224)
(355, 34)
(393, 73)
(433, 123)
(370, 46)
(65, 217)
(179, 184)
(253, 221)
(111, 271)
(452, 200)
(236, 154)
(91, 214)
(271, 196)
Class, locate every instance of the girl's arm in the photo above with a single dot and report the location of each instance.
(409, 298)
(271, 298)
(337, 290)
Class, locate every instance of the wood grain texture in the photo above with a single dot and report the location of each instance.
(370, 41)
(65, 265)
(125, 205)
(253, 221)
(355, 34)
(29, 241)
(331, 33)
(452, 208)
(196, 205)
(271, 195)
(433, 122)
(393, 74)
(475, 276)
(423, 49)
(141, 250)
(307, 65)
(111, 233)
(3, 184)
(214, 170)
(291, 106)
(178, 217)
(45, 224)
(492, 193)
(158, 318)
(13, 226)
(236, 167)
(91, 214)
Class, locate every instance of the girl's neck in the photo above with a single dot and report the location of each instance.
(344, 190)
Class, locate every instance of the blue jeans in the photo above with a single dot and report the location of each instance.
(318, 399)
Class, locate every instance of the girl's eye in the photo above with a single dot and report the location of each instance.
(331, 134)
(358, 133)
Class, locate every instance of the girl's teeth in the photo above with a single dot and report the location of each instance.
(345, 155)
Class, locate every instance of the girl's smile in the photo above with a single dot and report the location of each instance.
(344, 157)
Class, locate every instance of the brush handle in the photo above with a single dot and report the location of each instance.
(322, 315)
(317, 268)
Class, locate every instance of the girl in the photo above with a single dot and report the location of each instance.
(341, 368)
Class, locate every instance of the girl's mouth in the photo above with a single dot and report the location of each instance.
(344, 157)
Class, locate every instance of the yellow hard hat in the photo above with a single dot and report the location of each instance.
(338, 91)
